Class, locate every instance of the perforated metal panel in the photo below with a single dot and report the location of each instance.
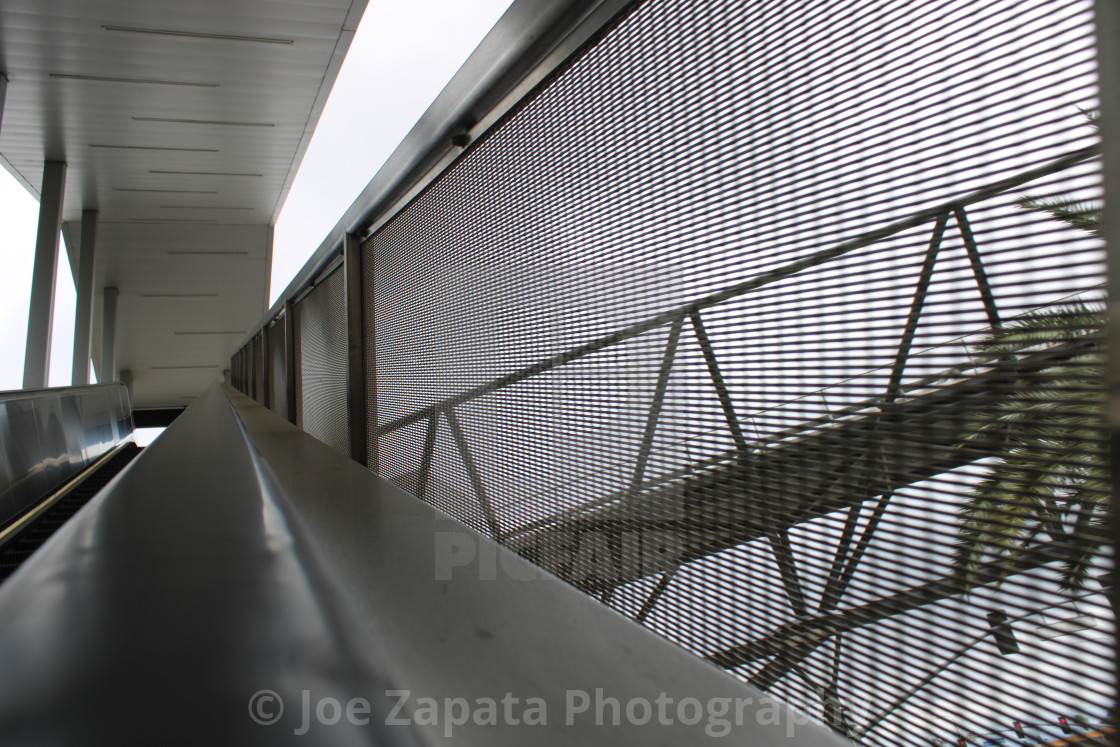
(777, 327)
(321, 330)
(277, 382)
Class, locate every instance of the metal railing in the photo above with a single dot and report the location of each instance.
(234, 603)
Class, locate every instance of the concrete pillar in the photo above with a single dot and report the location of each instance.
(83, 310)
(109, 336)
(37, 355)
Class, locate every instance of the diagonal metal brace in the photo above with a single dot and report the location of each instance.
(977, 267)
(656, 404)
(916, 305)
(783, 552)
(472, 472)
(426, 458)
(718, 382)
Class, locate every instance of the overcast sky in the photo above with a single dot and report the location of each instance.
(401, 58)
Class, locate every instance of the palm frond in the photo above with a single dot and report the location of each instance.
(1050, 484)
(1083, 214)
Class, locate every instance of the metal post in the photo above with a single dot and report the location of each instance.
(355, 349)
(1108, 67)
(266, 370)
(83, 308)
(290, 358)
(3, 93)
(255, 355)
(109, 336)
(37, 355)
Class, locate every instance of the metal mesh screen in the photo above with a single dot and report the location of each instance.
(777, 327)
(321, 337)
(277, 374)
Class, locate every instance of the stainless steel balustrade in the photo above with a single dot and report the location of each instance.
(48, 436)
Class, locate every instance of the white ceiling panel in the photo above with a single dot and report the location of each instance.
(182, 124)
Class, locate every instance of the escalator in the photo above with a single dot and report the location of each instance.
(58, 448)
(27, 533)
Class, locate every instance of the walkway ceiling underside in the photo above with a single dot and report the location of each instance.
(182, 124)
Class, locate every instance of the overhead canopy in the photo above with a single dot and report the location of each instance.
(183, 125)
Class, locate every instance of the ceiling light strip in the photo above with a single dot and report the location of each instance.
(204, 251)
(204, 122)
(173, 220)
(203, 207)
(148, 81)
(153, 147)
(209, 332)
(200, 35)
(178, 295)
(202, 173)
(176, 368)
(169, 191)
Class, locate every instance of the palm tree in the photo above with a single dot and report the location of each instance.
(1051, 485)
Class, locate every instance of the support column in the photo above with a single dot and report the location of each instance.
(355, 344)
(83, 308)
(109, 336)
(37, 355)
